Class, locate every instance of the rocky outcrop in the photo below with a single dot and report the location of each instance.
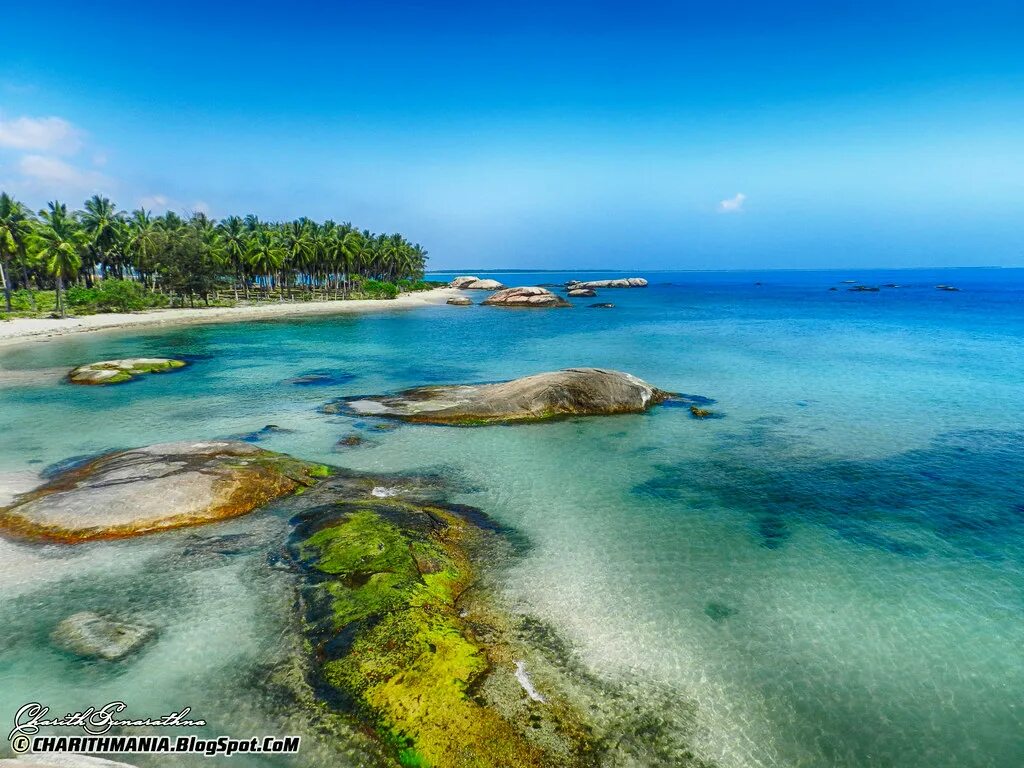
(459, 301)
(602, 305)
(572, 392)
(624, 282)
(92, 636)
(119, 371)
(156, 488)
(401, 633)
(581, 293)
(471, 283)
(527, 296)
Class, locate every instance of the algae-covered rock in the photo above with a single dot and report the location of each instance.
(120, 371)
(572, 392)
(156, 488)
(393, 641)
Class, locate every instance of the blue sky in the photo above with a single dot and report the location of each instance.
(641, 135)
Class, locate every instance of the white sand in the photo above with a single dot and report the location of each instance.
(20, 330)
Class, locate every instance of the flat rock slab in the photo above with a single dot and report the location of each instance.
(459, 301)
(156, 488)
(93, 636)
(120, 371)
(623, 282)
(572, 392)
(525, 296)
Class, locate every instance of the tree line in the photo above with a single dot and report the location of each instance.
(186, 258)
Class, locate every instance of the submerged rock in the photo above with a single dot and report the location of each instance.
(119, 371)
(603, 305)
(700, 413)
(526, 296)
(400, 639)
(623, 282)
(572, 392)
(156, 488)
(61, 760)
(864, 289)
(459, 301)
(93, 636)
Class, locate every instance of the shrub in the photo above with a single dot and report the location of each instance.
(377, 289)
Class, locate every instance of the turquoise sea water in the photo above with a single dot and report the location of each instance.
(830, 574)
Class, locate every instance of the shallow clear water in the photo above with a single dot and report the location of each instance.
(833, 571)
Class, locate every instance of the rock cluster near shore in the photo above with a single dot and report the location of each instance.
(472, 283)
(156, 488)
(572, 392)
(623, 282)
(119, 371)
(525, 296)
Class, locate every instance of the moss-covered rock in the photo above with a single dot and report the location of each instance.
(120, 371)
(394, 640)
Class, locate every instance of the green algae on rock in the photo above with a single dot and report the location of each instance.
(397, 640)
(543, 396)
(156, 488)
(120, 371)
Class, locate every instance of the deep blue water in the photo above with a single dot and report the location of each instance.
(831, 573)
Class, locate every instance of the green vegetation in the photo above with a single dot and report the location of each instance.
(102, 259)
(391, 576)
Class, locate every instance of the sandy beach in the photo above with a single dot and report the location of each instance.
(22, 330)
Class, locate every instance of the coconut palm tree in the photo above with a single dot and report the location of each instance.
(142, 244)
(265, 255)
(60, 244)
(102, 224)
(231, 247)
(15, 229)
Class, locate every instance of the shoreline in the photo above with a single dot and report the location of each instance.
(27, 330)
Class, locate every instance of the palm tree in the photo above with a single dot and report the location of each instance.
(230, 247)
(15, 229)
(142, 244)
(60, 244)
(102, 222)
(264, 254)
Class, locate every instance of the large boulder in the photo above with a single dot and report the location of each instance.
(119, 371)
(582, 293)
(93, 636)
(156, 488)
(473, 283)
(572, 392)
(527, 296)
(623, 282)
(459, 301)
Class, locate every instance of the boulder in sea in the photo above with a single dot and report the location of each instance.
(459, 301)
(92, 636)
(700, 413)
(526, 296)
(483, 285)
(622, 282)
(572, 392)
(156, 488)
(602, 305)
(350, 441)
(582, 293)
(947, 288)
(864, 289)
(463, 281)
(119, 371)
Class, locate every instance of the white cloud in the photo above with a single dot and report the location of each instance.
(56, 177)
(733, 204)
(163, 203)
(40, 134)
